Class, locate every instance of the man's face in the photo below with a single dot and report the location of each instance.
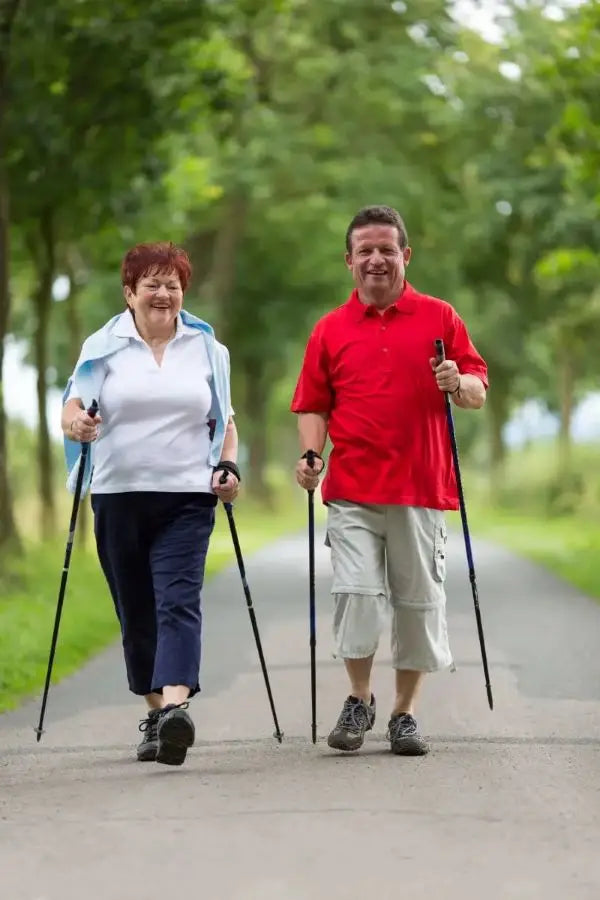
(377, 262)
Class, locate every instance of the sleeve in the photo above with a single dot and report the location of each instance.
(223, 351)
(313, 393)
(71, 392)
(461, 349)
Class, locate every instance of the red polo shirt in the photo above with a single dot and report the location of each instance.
(371, 374)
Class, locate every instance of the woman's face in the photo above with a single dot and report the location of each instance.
(157, 299)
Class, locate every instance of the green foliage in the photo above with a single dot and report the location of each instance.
(251, 132)
(27, 609)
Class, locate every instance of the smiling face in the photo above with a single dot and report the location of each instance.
(156, 301)
(378, 263)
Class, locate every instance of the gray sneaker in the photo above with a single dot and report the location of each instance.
(404, 736)
(176, 734)
(147, 748)
(355, 719)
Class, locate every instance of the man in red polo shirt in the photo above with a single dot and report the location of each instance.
(370, 381)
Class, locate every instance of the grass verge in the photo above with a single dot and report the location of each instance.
(568, 546)
(29, 590)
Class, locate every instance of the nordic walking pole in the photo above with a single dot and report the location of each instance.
(440, 354)
(310, 459)
(65, 572)
(240, 561)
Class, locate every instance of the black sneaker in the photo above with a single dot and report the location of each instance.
(176, 733)
(404, 736)
(355, 719)
(146, 750)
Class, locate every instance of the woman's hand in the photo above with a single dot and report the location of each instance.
(228, 490)
(83, 428)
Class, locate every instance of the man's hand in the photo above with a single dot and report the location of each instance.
(446, 374)
(228, 491)
(307, 477)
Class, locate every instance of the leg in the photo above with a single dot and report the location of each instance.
(359, 675)
(360, 608)
(416, 541)
(178, 557)
(122, 541)
(408, 685)
(123, 533)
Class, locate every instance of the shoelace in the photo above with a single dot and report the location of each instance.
(402, 726)
(151, 721)
(354, 716)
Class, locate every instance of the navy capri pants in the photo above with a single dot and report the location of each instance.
(152, 548)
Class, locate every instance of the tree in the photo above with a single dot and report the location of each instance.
(85, 148)
(303, 115)
(8, 12)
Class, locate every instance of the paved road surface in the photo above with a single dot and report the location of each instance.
(506, 806)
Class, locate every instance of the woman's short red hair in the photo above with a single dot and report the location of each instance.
(149, 259)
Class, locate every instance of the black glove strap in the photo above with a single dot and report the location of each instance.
(227, 466)
(315, 455)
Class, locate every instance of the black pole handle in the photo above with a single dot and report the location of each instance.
(310, 458)
(223, 478)
(440, 353)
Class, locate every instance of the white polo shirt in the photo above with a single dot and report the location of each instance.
(154, 434)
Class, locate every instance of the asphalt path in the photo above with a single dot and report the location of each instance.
(507, 804)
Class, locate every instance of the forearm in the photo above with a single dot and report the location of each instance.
(312, 431)
(69, 411)
(230, 444)
(471, 394)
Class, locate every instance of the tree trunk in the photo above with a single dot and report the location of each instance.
(75, 340)
(43, 257)
(9, 538)
(566, 394)
(497, 407)
(220, 281)
(257, 398)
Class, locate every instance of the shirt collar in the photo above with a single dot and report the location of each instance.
(125, 327)
(405, 304)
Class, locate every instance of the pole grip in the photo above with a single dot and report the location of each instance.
(310, 458)
(440, 352)
(93, 409)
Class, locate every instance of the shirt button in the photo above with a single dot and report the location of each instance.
(383, 327)
(385, 349)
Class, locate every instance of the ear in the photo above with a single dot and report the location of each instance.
(128, 294)
(348, 259)
(407, 253)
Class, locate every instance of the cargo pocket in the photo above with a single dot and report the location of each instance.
(440, 540)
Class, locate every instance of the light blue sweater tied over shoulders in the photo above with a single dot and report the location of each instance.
(88, 377)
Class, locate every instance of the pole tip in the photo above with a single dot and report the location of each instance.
(39, 732)
(278, 735)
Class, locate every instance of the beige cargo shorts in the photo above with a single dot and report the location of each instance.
(389, 563)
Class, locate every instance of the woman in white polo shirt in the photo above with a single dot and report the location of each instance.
(164, 437)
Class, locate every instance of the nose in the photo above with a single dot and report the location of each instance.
(376, 256)
(162, 292)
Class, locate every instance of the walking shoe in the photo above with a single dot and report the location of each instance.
(404, 736)
(176, 733)
(355, 719)
(146, 750)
